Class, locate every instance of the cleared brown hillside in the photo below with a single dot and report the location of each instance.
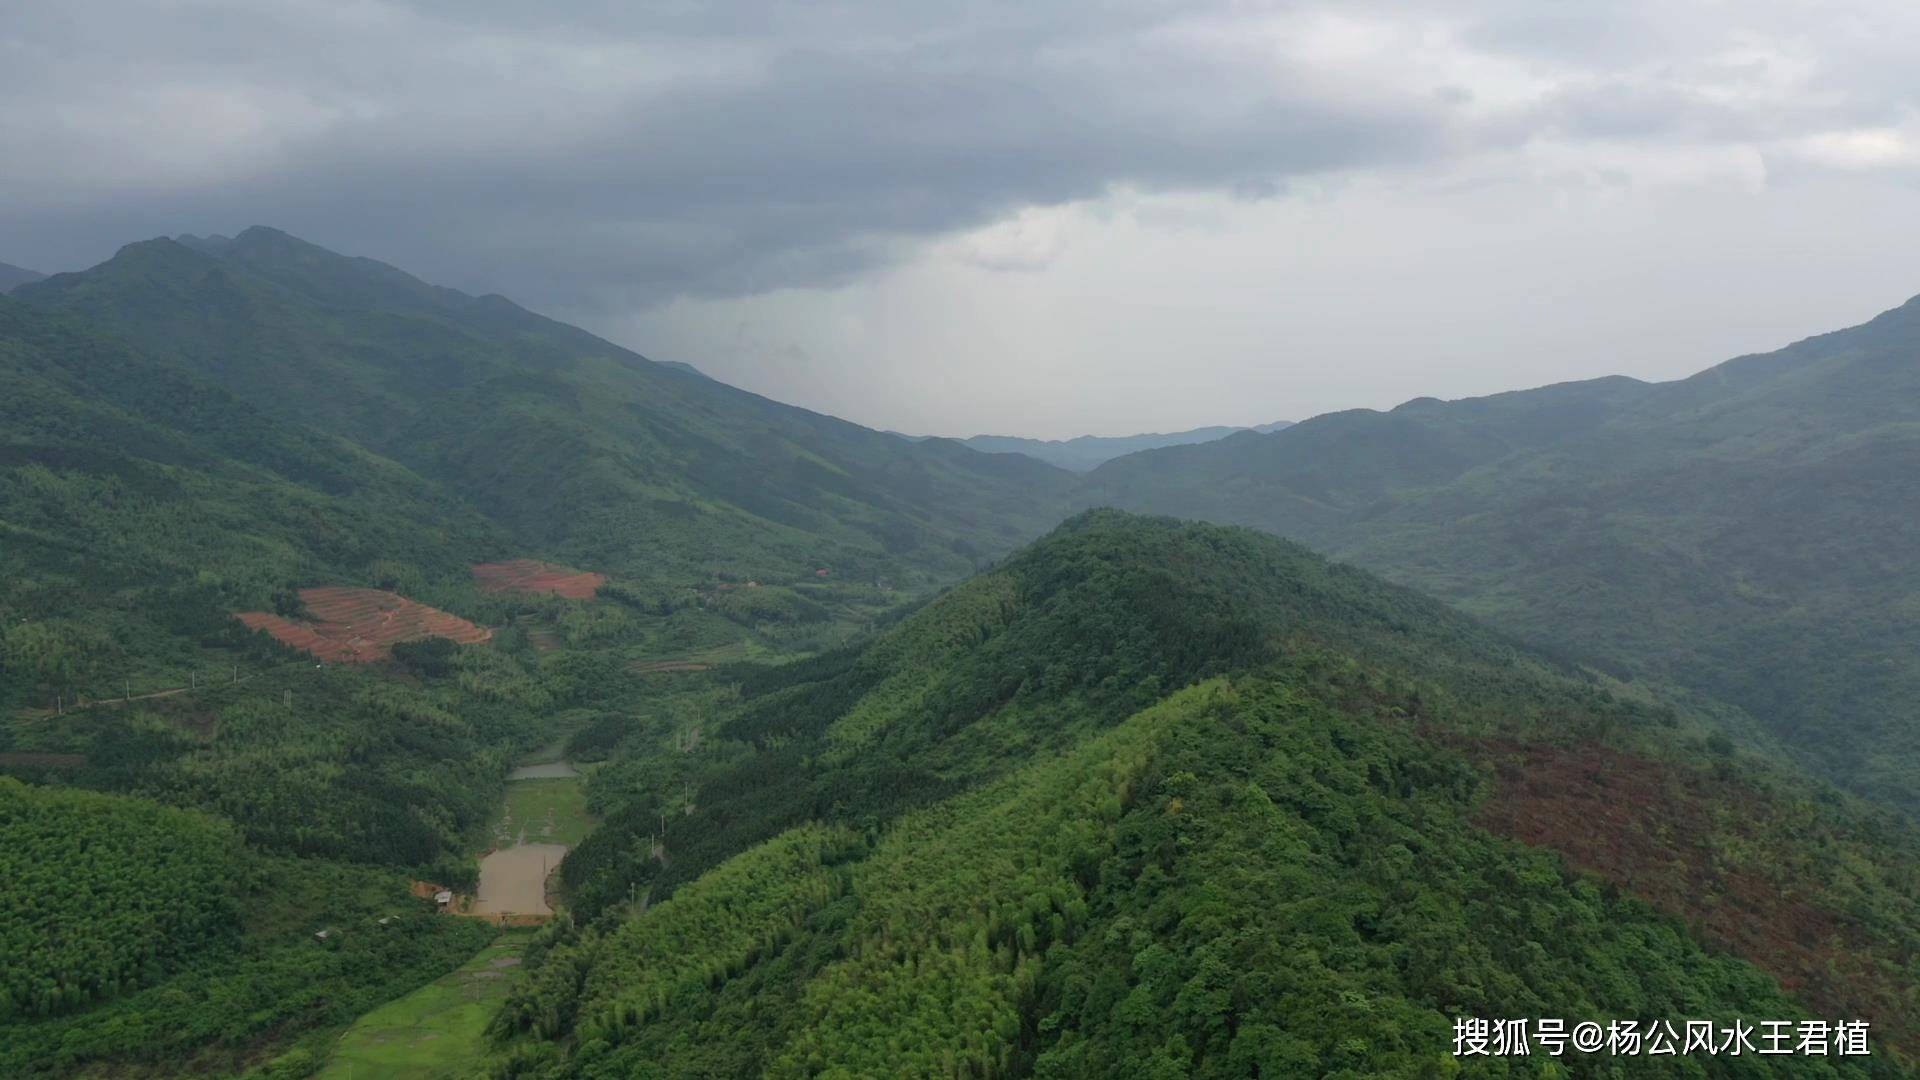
(534, 576)
(352, 625)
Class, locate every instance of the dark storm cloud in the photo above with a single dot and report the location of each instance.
(605, 152)
(696, 149)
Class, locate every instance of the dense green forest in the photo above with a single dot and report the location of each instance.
(572, 444)
(253, 983)
(108, 893)
(1166, 799)
(881, 792)
(1745, 532)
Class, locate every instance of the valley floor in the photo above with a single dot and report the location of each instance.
(438, 1031)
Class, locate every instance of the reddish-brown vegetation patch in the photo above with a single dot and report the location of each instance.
(359, 625)
(1692, 844)
(534, 576)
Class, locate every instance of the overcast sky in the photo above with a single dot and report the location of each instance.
(1024, 217)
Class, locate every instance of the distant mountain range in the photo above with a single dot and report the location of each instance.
(12, 276)
(1087, 452)
(1747, 532)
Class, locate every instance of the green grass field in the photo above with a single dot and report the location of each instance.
(436, 1032)
(543, 812)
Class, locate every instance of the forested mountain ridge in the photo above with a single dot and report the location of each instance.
(13, 276)
(1163, 796)
(1084, 452)
(1316, 474)
(573, 445)
(1746, 532)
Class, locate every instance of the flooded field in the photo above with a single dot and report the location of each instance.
(513, 880)
(543, 816)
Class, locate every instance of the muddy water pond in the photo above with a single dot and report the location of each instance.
(513, 881)
(543, 815)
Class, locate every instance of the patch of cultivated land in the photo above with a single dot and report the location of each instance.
(352, 625)
(534, 576)
(543, 809)
(439, 1030)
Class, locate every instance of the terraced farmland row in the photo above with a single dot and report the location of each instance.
(534, 576)
(351, 625)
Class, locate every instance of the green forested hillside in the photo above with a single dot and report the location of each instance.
(104, 894)
(574, 445)
(1161, 799)
(1748, 532)
(215, 1000)
(139, 505)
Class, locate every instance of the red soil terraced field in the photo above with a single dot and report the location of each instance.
(534, 576)
(361, 625)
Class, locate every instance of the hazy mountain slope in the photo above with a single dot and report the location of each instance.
(1748, 531)
(1154, 792)
(576, 445)
(1086, 451)
(139, 504)
(1317, 474)
(12, 276)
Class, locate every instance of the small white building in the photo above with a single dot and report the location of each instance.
(443, 897)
